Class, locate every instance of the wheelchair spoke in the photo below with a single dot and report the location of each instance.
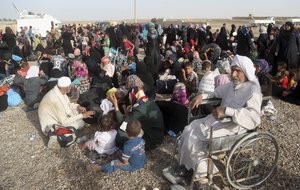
(252, 161)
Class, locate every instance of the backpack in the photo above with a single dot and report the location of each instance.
(65, 135)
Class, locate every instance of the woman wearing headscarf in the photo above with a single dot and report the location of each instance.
(107, 66)
(144, 110)
(289, 45)
(264, 78)
(262, 43)
(221, 80)
(222, 39)
(32, 86)
(175, 112)
(152, 48)
(67, 36)
(9, 38)
(244, 42)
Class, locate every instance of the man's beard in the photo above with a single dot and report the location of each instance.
(235, 81)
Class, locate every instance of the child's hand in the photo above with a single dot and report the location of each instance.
(113, 99)
(121, 163)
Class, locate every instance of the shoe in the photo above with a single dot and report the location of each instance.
(181, 171)
(53, 143)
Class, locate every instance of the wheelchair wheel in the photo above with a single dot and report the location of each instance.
(252, 160)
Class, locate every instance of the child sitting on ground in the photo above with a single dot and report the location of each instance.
(284, 80)
(130, 68)
(104, 140)
(291, 84)
(133, 152)
(280, 70)
(292, 81)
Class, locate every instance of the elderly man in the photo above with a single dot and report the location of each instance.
(55, 108)
(241, 100)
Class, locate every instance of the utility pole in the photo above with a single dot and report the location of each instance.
(135, 12)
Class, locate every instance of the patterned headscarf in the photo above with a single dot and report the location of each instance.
(179, 94)
(132, 81)
(137, 97)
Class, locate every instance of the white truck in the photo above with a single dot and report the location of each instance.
(295, 21)
(262, 22)
(41, 23)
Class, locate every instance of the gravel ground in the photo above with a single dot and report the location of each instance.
(26, 163)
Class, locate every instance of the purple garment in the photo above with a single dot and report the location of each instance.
(179, 94)
(263, 64)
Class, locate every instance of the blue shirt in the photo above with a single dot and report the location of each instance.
(134, 151)
(132, 67)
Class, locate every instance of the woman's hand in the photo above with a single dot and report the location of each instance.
(196, 102)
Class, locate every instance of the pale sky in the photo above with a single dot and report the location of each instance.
(66, 10)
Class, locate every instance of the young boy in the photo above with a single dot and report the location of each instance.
(127, 45)
(133, 152)
(129, 69)
(190, 78)
(106, 44)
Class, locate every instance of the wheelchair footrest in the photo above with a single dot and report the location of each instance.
(168, 174)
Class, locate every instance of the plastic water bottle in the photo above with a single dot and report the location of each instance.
(32, 137)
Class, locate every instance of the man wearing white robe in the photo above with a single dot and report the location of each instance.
(241, 100)
(56, 108)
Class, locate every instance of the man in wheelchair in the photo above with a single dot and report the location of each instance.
(241, 100)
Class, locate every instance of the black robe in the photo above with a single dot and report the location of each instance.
(244, 44)
(67, 46)
(289, 47)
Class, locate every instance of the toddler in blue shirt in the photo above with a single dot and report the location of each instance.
(133, 152)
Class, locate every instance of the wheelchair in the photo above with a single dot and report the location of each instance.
(245, 161)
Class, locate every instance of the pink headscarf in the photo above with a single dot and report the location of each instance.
(221, 80)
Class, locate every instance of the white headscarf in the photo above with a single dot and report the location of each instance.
(33, 71)
(246, 65)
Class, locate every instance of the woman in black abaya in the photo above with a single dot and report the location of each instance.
(289, 46)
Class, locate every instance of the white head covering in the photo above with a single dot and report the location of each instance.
(64, 82)
(263, 30)
(33, 71)
(106, 106)
(246, 65)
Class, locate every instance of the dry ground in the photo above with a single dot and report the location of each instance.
(28, 164)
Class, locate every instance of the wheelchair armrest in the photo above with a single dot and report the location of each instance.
(212, 101)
